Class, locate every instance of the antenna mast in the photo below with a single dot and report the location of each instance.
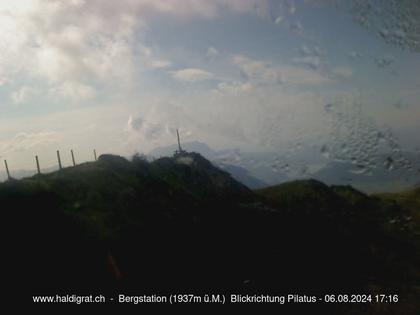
(179, 143)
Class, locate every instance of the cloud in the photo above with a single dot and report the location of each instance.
(343, 71)
(312, 61)
(192, 75)
(305, 50)
(73, 57)
(266, 73)
(186, 8)
(24, 94)
(3, 81)
(234, 87)
(292, 8)
(279, 20)
(55, 42)
(297, 75)
(385, 60)
(259, 71)
(23, 141)
(149, 130)
(73, 91)
(156, 125)
(354, 55)
(160, 64)
(206, 8)
(296, 27)
(212, 53)
(311, 51)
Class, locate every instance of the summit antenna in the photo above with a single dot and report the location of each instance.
(179, 142)
(179, 151)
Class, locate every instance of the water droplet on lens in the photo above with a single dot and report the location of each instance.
(329, 107)
(389, 163)
(325, 151)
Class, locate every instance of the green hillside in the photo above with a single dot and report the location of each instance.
(386, 225)
(77, 218)
(180, 224)
(408, 220)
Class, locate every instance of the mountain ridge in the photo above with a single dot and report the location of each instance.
(183, 214)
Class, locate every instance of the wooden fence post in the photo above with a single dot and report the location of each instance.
(7, 169)
(37, 164)
(94, 154)
(59, 160)
(72, 157)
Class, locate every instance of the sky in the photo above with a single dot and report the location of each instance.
(257, 75)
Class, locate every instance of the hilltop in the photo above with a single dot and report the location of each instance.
(241, 165)
(79, 218)
(180, 224)
(409, 219)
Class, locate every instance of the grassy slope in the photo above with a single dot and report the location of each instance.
(387, 224)
(181, 223)
(409, 219)
(63, 226)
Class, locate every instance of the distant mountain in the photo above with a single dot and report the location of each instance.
(180, 224)
(239, 173)
(249, 168)
(377, 180)
(193, 146)
(242, 175)
(267, 174)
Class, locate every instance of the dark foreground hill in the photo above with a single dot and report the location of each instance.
(180, 225)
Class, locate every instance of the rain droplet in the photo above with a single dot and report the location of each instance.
(325, 151)
(279, 20)
(285, 168)
(362, 170)
(304, 170)
(380, 136)
(389, 163)
(329, 107)
(344, 148)
(383, 33)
